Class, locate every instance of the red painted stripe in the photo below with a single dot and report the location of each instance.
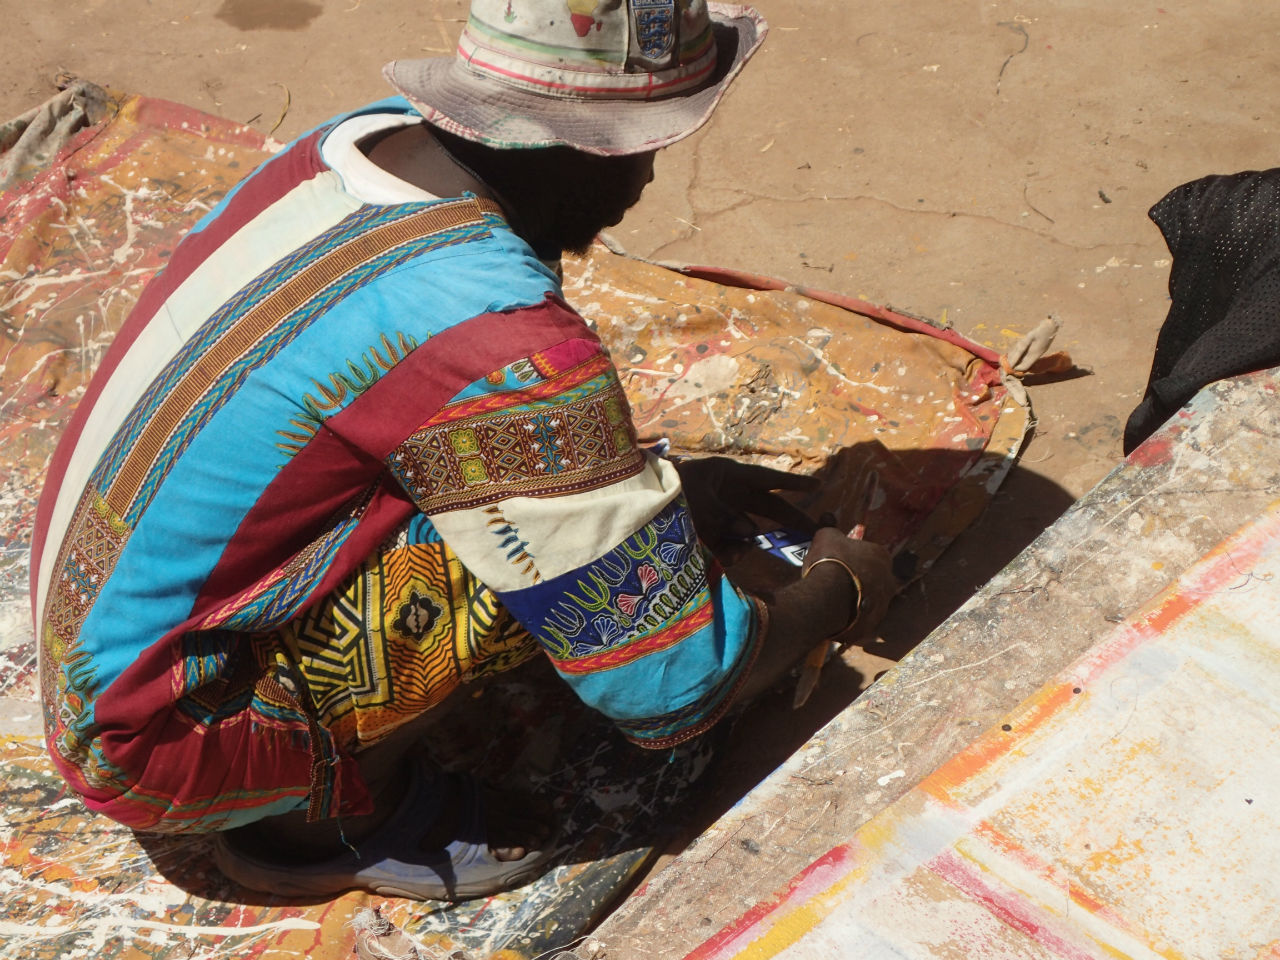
(1050, 873)
(349, 453)
(276, 178)
(833, 864)
(1007, 907)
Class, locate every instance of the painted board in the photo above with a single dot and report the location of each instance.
(1130, 808)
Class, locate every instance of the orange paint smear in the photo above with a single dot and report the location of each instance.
(1049, 872)
(761, 919)
(1033, 714)
(1225, 563)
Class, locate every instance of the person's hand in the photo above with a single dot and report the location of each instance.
(873, 567)
(821, 605)
(724, 494)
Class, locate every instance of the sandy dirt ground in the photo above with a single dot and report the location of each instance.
(982, 162)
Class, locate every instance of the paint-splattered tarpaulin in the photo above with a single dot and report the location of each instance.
(711, 361)
(718, 361)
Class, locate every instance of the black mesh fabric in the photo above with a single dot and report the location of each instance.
(1224, 234)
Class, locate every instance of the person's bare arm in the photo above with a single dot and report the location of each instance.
(844, 600)
(826, 604)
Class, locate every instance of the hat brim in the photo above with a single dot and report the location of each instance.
(455, 99)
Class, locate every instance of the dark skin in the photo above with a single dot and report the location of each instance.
(555, 198)
(558, 199)
(724, 496)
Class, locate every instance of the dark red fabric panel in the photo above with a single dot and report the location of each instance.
(272, 181)
(346, 459)
(348, 454)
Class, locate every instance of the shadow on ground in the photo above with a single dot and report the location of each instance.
(767, 733)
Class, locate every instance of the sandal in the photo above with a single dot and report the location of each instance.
(386, 862)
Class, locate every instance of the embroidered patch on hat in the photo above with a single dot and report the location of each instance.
(608, 77)
(654, 27)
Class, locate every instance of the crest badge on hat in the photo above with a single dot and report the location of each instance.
(608, 77)
(654, 27)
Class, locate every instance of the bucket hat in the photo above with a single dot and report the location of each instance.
(608, 77)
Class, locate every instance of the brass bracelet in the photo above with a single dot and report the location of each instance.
(857, 585)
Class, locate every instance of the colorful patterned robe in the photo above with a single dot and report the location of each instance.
(341, 458)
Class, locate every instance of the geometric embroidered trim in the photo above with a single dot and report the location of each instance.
(557, 437)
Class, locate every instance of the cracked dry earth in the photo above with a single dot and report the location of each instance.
(981, 163)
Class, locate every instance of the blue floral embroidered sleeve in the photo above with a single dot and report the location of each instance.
(651, 633)
(534, 478)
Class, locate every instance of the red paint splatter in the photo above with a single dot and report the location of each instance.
(583, 22)
(1154, 452)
